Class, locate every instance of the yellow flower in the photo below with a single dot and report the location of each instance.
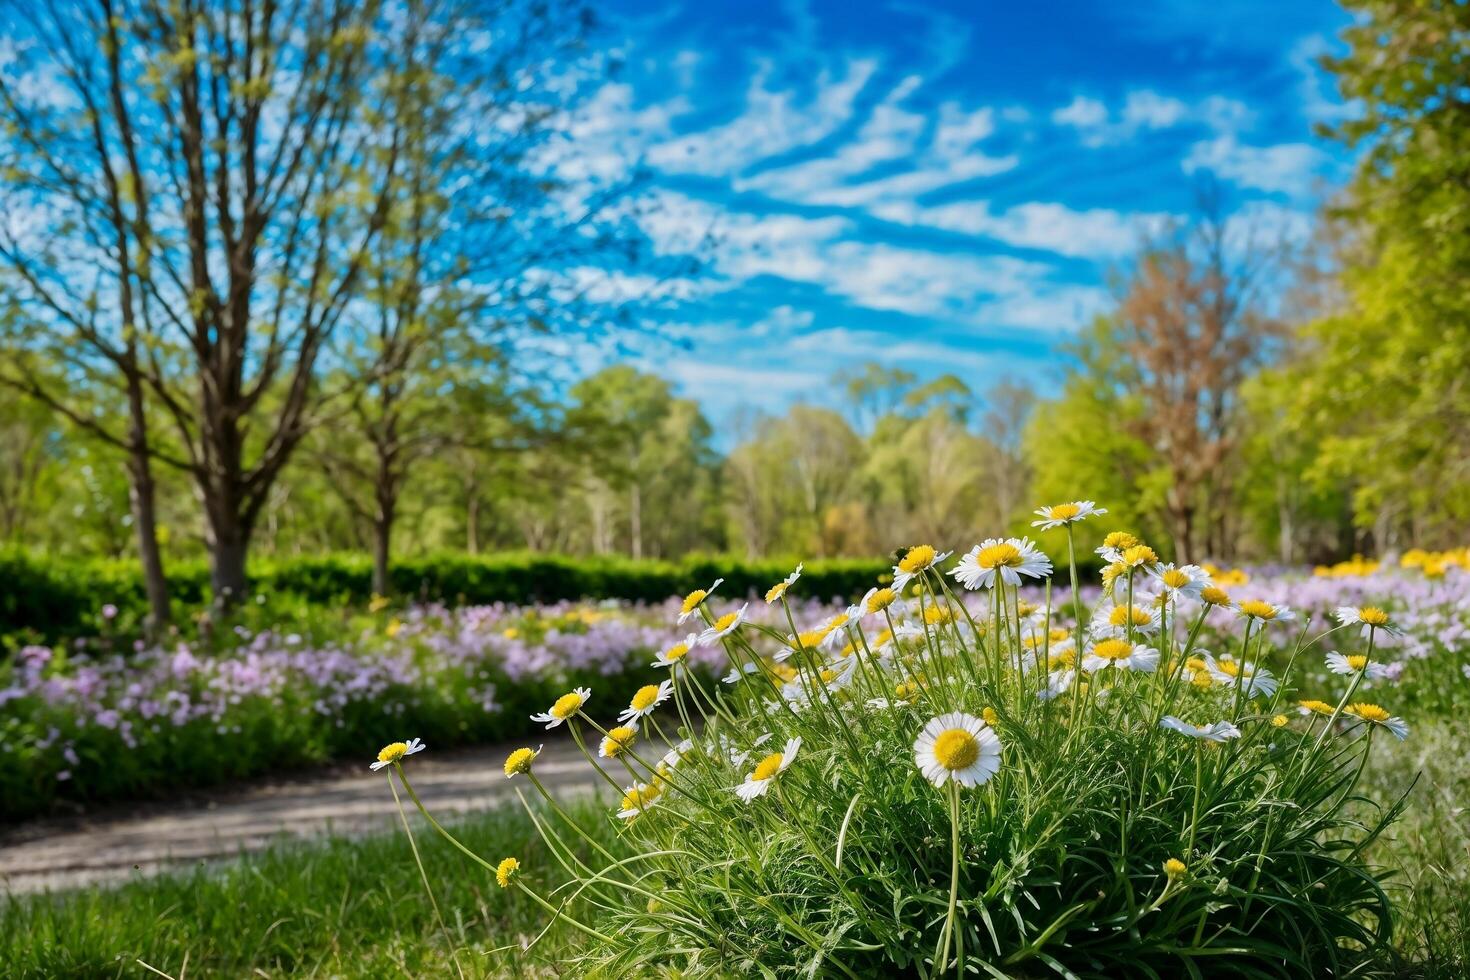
(506, 871)
(1175, 867)
(618, 741)
(1280, 721)
(1213, 595)
(918, 558)
(1138, 555)
(1119, 540)
(988, 715)
(880, 599)
(565, 707)
(394, 625)
(520, 761)
(1320, 707)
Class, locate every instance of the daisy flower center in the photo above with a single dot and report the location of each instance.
(1119, 540)
(519, 761)
(1214, 596)
(618, 739)
(1063, 512)
(956, 749)
(1357, 661)
(1175, 579)
(1058, 661)
(1370, 712)
(881, 600)
(1123, 615)
(1140, 554)
(776, 591)
(1258, 609)
(677, 652)
(1373, 616)
(998, 555)
(566, 706)
(638, 798)
(724, 622)
(1112, 649)
(644, 698)
(394, 752)
(918, 559)
(767, 767)
(693, 599)
(506, 871)
(1321, 707)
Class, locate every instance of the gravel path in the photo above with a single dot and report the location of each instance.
(120, 844)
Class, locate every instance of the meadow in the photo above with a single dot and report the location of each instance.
(92, 722)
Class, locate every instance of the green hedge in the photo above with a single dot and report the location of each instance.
(45, 600)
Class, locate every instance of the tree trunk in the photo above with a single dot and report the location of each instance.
(382, 538)
(635, 521)
(141, 498)
(229, 540)
(142, 495)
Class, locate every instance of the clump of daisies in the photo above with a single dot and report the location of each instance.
(949, 778)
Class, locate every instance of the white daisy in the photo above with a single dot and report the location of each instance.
(958, 747)
(637, 799)
(565, 707)
(646, 699)
(1010, 558)
(674, 657)
(1264, 611)
(1371, 617)
(1181, 580)
(398, 750)
(1058, 682)
(739, 673)
(914, 563)
(1375, 715)
(1339, 664)
(694, 600)
(779, 589)
(723, 626)
(1120, 653)
(1112, 619)
(1220, 731)
(1059, 514)
(759, 779)
(1255, 680)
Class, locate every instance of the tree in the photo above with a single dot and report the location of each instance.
(1190, 326)
(223, 165)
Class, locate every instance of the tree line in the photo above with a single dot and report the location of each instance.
(265, 267)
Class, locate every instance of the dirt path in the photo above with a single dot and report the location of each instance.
(121, 844)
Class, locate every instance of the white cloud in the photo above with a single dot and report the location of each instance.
(963, 288)
(1081, 113)
(1287, 168)
(1144, 109)
(1151, 110)
(773, 122)
(889, 133)
(951, 155)
(1097, 233)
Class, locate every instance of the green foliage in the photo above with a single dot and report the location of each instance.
(341, 908)
(46, 600)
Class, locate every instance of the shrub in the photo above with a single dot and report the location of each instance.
(933, 784)
(46, 601)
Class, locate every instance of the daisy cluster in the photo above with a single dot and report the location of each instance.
(939, 704)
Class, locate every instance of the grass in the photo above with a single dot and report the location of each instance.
(1429, 847)
(357, 908)
(338, 908)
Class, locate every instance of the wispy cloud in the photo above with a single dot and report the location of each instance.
(1287, 168)
(773, 121)
(1095, 233)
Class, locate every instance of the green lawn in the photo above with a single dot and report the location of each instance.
(358, 908)
(342, 908)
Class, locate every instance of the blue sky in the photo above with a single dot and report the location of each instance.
(942, 187)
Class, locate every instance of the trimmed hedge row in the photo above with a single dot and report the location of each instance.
(45, 600)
